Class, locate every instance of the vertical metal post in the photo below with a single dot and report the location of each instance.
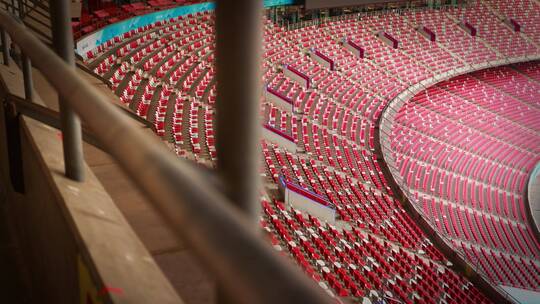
(27, 75)
(5, 46)
(71, 125)
(21, 8)
(238, 41)
(14, 151)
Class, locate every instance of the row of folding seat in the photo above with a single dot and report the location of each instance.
(451, 37)
(341, 154)
(279, 119)
(119, 75)
(385, 57)
(147, 98)
(194, 132)
(157, 58)
(117, 41)
(466, 138)
(508, 42)
(428, 150)
(490, 99)
(472, 192)
(511, 271)
(139, 50)
(337, 126)
(353, 262)
(433, 150)
(134, 44)
(345, 195)
(313, 104)
(521, 87)
(436, 105)
(472, 161)
(458, 188)
(525, 12)
(105, 65)
(418, 47)
(530, 69)
(457, 222)
(133, 82)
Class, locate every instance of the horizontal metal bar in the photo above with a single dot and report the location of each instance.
(242, 261)
(87, 70)
(52, 119)
(127, 111)
(27, 77)
(5, 46)
(47, 116)
(136, 117)
(29, 108)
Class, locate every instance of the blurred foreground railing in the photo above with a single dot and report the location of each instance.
(226, 241)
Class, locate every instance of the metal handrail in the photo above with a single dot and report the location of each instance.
(226, 241)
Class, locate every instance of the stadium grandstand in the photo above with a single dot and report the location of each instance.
(270, 151)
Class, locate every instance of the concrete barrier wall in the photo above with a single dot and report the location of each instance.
(323, 60)
(297, 76)
(272, 136)
(354, 48)
(279, 100)
(426, 32)
(389, 40)
(306, 204)
(532, 198)
(48, 250)
(74, 241)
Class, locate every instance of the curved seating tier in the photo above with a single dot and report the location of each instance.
(164, 73)
(525, 12)
(493, 31)
(465, 148)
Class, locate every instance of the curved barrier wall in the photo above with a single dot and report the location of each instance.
(533, 199)
(99, 37)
